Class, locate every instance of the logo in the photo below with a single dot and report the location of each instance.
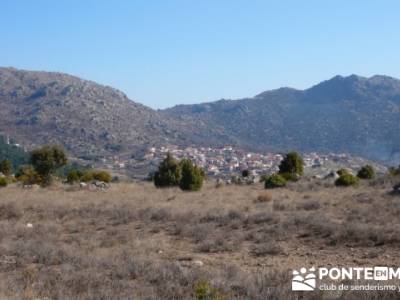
(381, 273)
(303, 280)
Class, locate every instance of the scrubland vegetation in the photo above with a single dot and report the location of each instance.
(135, 241)
(186, 237)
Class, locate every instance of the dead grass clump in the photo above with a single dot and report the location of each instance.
(279, 205)
(264, 197)
(217, 243)
(266, 249)
(262, 217)
(9, 211)
(309, 205)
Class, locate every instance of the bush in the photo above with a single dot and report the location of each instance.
(47, 160)
(264, 197)
(346, 179)
(87, 176)
(342, 172)
(3, 182)
(102, 176)
(204, 291)
(6, 167)
(291, 166)
(27, 175)
(169, 172)
(191, 176)
(73, 176)
(274, 181)
(96, 175)
(366, 172)
(290, 176)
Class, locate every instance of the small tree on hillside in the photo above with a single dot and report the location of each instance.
(291, 167)
(48, 159)
(169, 173)
(245, 173)
(27, 175)
(366, 172)
(6, 167)
(192, 176)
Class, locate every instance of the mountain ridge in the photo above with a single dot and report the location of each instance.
(353, 114)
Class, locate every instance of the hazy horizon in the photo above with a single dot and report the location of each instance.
(166, 53)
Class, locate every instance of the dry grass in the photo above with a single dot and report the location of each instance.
(137, 242)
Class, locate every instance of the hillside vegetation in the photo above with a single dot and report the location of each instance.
(350, 114)
(135, 241)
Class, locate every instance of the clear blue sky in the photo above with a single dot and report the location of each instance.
(162, 53)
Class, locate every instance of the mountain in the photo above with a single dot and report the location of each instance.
(89, 119)
(350, 114)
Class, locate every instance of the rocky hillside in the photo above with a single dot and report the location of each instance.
(87, 118)
(344, 114)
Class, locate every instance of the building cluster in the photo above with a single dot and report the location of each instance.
(227, 161)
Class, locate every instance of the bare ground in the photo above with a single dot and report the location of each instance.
(134, 241)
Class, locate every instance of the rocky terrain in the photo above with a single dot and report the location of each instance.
(351, 114)
(344, 114)
(86, 118)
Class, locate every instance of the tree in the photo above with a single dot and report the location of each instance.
(169, 172)
(245, 173)
(47, 160)
(366, 172)
(192, 176)
(6, 167)
(291, 167)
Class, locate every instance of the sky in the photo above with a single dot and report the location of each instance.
(168, 52)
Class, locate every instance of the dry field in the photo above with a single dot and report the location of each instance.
(134, 241)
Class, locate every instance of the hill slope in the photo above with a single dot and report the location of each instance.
(344, 114)
(87, 118)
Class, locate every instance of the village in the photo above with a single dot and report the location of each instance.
(228, 161)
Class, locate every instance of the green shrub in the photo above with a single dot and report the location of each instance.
(291, 166)
(27, 175)
(87, 176)
(73, 176)
(47, 160)
(192, 176)
(169, 172)
(274, 181)
(290, 176)
(204, 291)
(6, 167)
(366, 172)
(96, 175)
(102, 176)
(346, 179)
(3, 182)
(342, 171)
